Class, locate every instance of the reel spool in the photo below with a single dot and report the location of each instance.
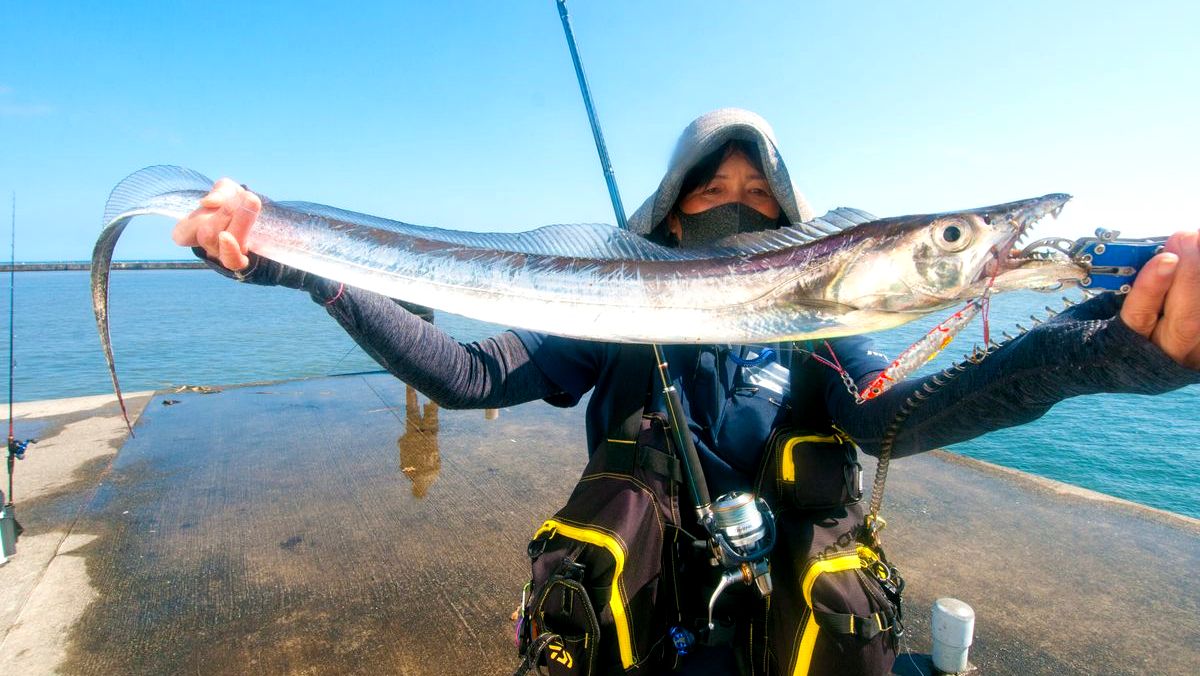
(742, 529)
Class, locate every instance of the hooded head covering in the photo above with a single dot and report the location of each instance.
(705, 135)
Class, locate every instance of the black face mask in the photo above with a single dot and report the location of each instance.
(720, 222)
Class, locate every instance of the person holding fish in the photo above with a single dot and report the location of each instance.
(726, 180)
(718, 185)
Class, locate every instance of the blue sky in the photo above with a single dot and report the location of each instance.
(467, 115)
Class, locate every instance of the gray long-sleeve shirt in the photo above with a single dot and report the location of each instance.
(1086, 349)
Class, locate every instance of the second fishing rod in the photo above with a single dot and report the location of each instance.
(740, 526)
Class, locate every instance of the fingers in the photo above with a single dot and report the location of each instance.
(230, 252)
(244, 217)
(1145, 301)
(187, 230)
(222, 223)
(222, 191)
(1178, 333)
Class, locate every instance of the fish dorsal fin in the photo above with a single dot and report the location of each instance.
(597, 240)
(763, 241)
(837, 220)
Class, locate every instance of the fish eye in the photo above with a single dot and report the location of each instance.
(952, 234)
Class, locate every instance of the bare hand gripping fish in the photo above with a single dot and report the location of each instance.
(841, 274)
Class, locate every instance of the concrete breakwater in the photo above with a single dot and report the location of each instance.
(345, 524)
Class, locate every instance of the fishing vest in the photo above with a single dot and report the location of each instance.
(603, 591)
(618, 585)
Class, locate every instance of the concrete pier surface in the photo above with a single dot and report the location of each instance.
(346, 525)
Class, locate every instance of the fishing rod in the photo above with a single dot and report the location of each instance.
(740, 526)
(684, 441)
(610, 177)
(10, 528)
(12, 284)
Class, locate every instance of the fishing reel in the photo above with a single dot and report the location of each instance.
(10, 528)
(16, 448)
(741, 531)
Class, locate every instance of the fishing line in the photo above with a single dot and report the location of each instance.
(341, 359)
(835, 364)
(986, 299)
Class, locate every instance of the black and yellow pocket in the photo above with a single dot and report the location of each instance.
(598, 582)
(565, 613)
(596, 564)
(836, 608)
(812, 470)
(848, 625)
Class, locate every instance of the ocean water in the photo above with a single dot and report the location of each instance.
(193, 327)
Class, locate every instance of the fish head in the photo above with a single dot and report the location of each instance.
(923, 263)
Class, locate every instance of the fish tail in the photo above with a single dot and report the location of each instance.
(142, 192)
(142, 186)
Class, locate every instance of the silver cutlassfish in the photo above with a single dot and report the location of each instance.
(602, 283)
